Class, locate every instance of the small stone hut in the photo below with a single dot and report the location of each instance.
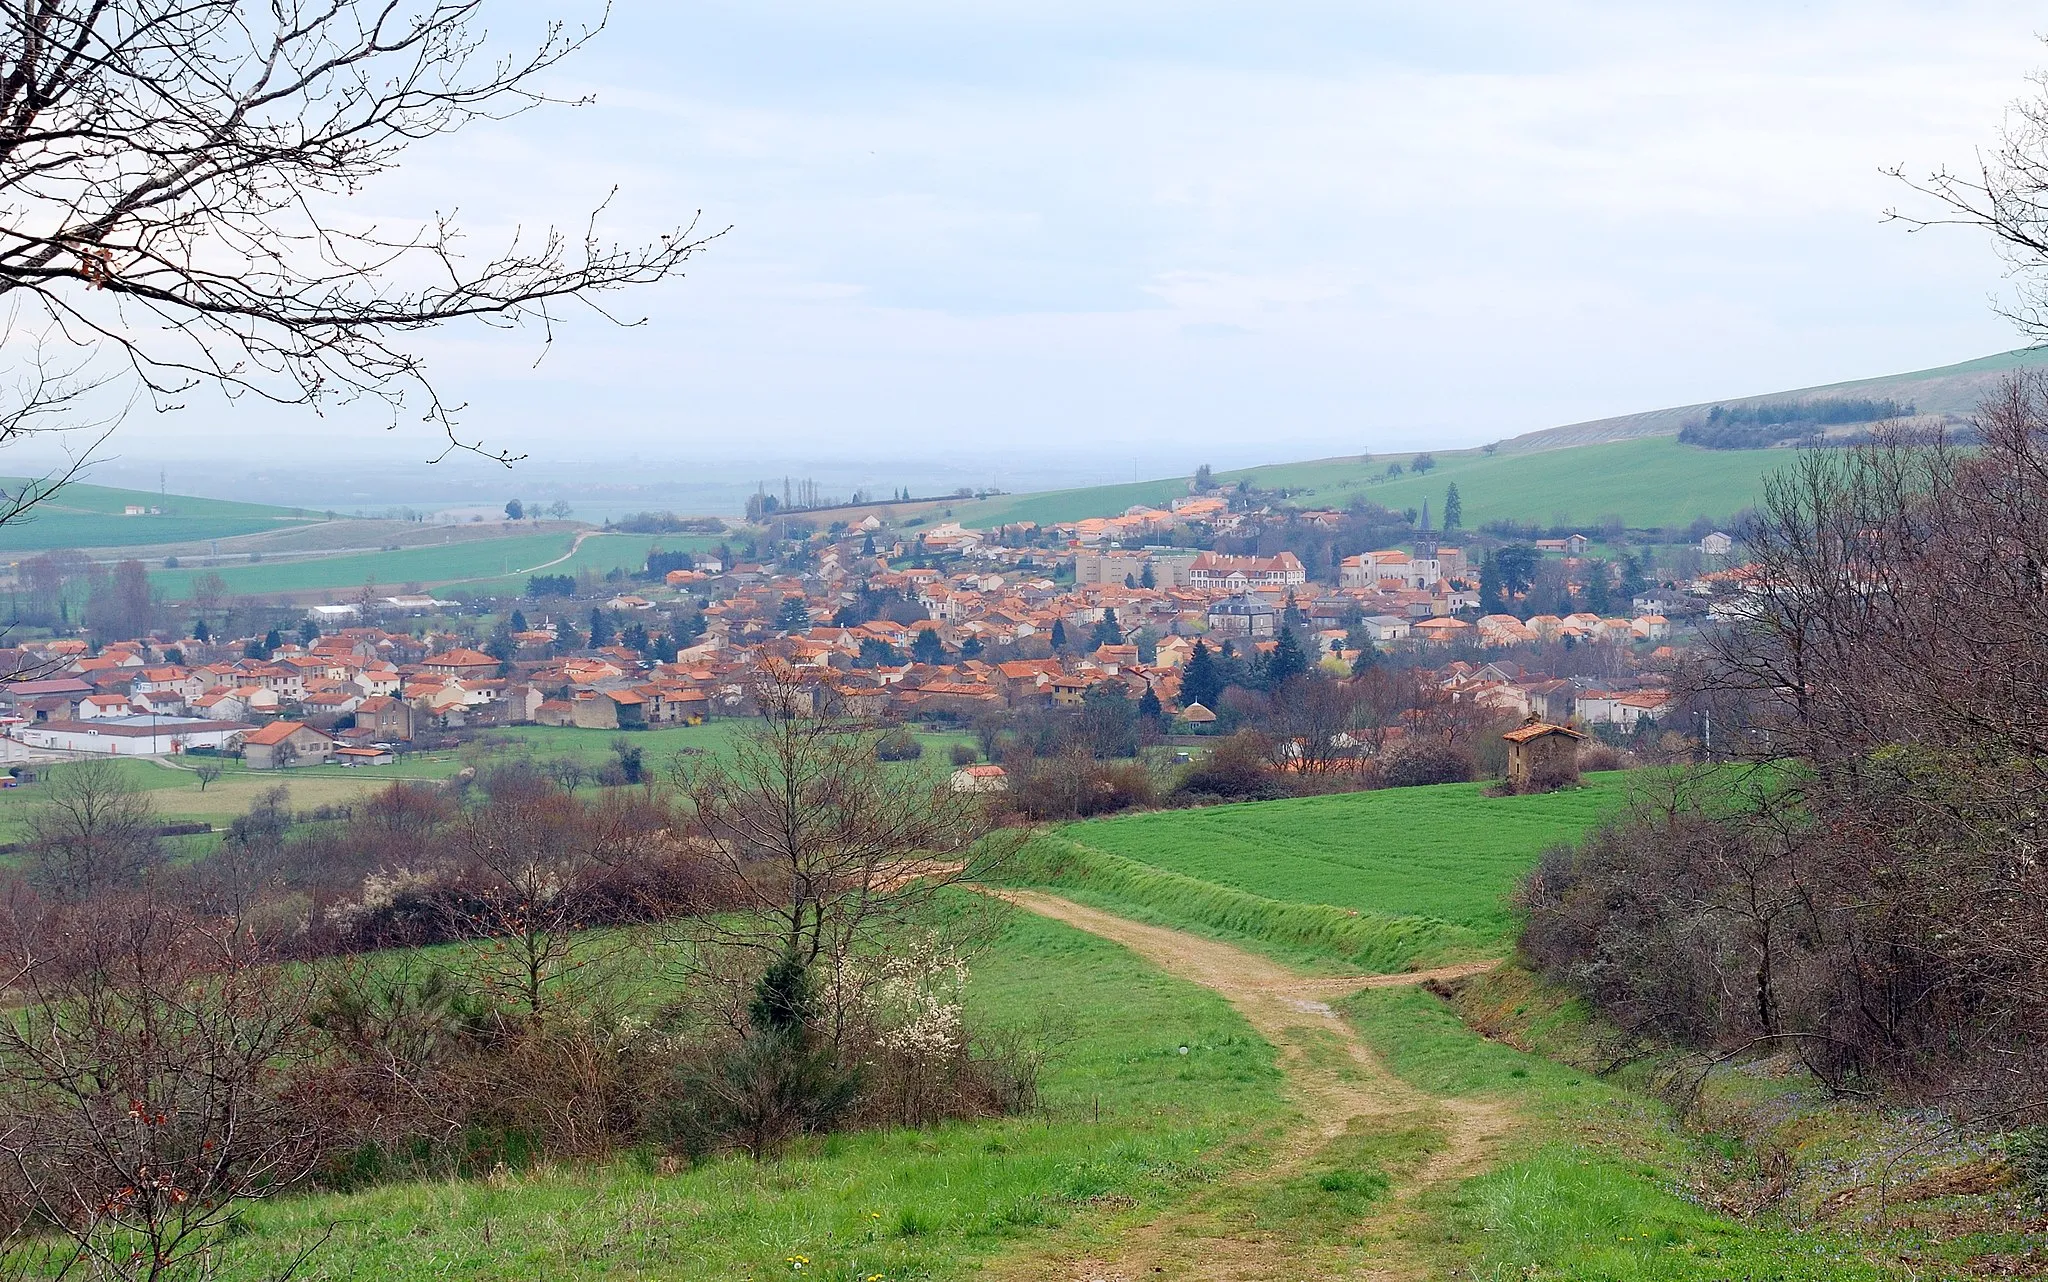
(1542, 756)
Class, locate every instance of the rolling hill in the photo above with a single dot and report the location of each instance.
(92, 516)
(1630, 466)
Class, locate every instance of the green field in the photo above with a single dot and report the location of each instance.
(176, 793)
(80, 516)
(515, 555)
(1383, 880)
(1648, 483)
(905, 1205)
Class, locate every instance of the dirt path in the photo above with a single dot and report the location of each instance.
(1342, 1090)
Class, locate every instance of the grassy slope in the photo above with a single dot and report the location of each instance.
(1592, 1188)
(927, 1205)
(1647, 483)
(515, 554)
(90, 516)
(1341, 878)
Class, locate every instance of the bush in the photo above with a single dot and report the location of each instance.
(1601, 756)
(963, 754)
(1074, 785)
(898, 745)
(1418, 762)
(1237, 769)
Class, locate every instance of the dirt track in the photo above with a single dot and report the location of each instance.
(1336, 1092)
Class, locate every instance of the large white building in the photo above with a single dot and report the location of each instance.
(1215, 572)
(139, 736)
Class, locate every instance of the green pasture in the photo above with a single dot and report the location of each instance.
(174, 789)
(1448, 854)
(1647, 483)
(601, 554)
(455, 562)
(1650, 482)
(930, 1204)
(80, 516)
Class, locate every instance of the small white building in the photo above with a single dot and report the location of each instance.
(980, 779)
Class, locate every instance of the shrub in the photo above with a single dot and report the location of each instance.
(963, 754)
(898, 745)
(1237, 769)
(1601, 756)
(1418, 762)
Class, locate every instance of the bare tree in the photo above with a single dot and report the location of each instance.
(174, 172)
(2005, 194)
(825, 848)
(155, 1076)
(92, 832)
(207, 772)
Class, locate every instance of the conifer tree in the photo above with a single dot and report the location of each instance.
(1200, 683)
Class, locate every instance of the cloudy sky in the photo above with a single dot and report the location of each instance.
(1135, 232)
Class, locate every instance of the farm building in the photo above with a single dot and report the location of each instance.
(132, 736)
(980, 779)
(1542, 756)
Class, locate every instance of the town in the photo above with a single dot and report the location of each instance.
(941, 624)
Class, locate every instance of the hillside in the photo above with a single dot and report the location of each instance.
(1950, 390)
(81, 516)
(1581, 473)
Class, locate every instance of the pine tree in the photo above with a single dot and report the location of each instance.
(1059, 634)
(1200, 682)
(1492, 600)
(519, 621)
(927, 648)
(1149, 706)
(1147, 579)
(1107, 632)
(601, 633)
(1368, 657)
(1599, 588)
(794, 616)
(200, 632)
(1454, 508)
(1287, 660)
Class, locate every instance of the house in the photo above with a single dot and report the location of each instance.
(462, 663)
(1717, 544)
(385, 717)
(365, 756)
(285, 743)
(1542, 756)
(1243, 617)
(980, 779)
(1197, 715)
(1385, 627)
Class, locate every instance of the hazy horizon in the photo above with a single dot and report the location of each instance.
(1087, 244)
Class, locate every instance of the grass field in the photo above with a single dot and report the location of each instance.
(1386, 880)
(515, 556)
(905, 1205)
(91, 516)
(1648, 483)
(177, 795)
(1592, 1187)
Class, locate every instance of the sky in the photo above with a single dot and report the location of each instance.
(1125, 238)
